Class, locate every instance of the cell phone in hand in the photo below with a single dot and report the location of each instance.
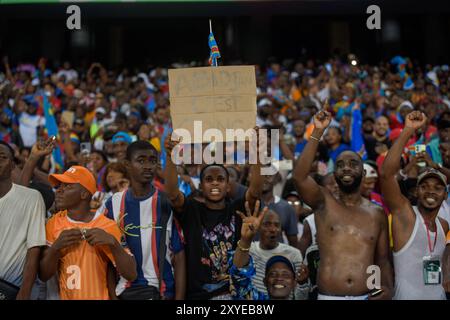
(419, 148)
(85, 148)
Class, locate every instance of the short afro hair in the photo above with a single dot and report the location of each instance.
(202, 172)
(139, 145)
(10, 149)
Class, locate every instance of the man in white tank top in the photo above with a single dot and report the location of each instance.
(418, 233)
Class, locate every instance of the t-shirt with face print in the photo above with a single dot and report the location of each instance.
(210, 236)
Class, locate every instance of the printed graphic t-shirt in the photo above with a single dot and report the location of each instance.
(210, 236)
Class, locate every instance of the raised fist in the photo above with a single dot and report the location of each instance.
(322, 120)
(415, 120)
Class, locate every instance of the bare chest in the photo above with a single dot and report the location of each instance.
(347, 225)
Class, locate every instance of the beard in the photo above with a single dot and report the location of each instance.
(349, 188)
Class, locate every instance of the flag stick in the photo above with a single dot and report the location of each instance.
(210, 26)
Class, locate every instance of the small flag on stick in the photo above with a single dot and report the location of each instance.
(214, 49)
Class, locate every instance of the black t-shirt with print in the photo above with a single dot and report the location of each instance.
(210, 235)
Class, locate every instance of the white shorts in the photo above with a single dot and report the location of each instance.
(325, 297)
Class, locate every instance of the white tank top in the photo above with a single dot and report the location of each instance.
(408, 263)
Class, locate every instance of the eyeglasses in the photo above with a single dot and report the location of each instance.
(294, 203)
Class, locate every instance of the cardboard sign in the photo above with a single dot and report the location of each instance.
(220, 97)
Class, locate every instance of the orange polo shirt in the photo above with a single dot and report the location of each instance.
(82, 268)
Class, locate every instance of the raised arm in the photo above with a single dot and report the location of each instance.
(393, 197)
(308, 188)
(40, 149)
(64, 132)
(103, 74)
(285, 150)
(250, 226)
(89, 74)
(242, 269)
(8, 72)
(357, 139)
(253, 193)
(176, 197)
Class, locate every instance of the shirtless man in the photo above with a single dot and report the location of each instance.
(352, 232)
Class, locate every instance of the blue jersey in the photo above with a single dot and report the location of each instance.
(140, 221)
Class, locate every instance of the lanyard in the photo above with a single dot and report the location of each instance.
(429, 238)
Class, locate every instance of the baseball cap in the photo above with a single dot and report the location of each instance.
(293, 193)
(279, 258)
(75, 174)
(430, 172)
(100, 110)
(264, 102)
(406, 104)
(121, 136)
(370, 171)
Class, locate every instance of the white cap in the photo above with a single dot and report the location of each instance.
(35, 82)
(125, 108)
(264, 102)
(407, 104)
(370, 171)
(100, 110)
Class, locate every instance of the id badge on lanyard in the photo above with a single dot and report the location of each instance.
(431, 264)
(431, 270)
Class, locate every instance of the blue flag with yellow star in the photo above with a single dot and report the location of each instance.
(214, 50)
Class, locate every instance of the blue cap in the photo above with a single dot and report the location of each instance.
(122, 136)
(282, 259)
(136, 114)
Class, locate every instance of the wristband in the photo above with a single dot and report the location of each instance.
(314, 138)
(242, 248)
(403, 175)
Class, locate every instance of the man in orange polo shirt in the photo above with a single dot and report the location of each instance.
(81, 244)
